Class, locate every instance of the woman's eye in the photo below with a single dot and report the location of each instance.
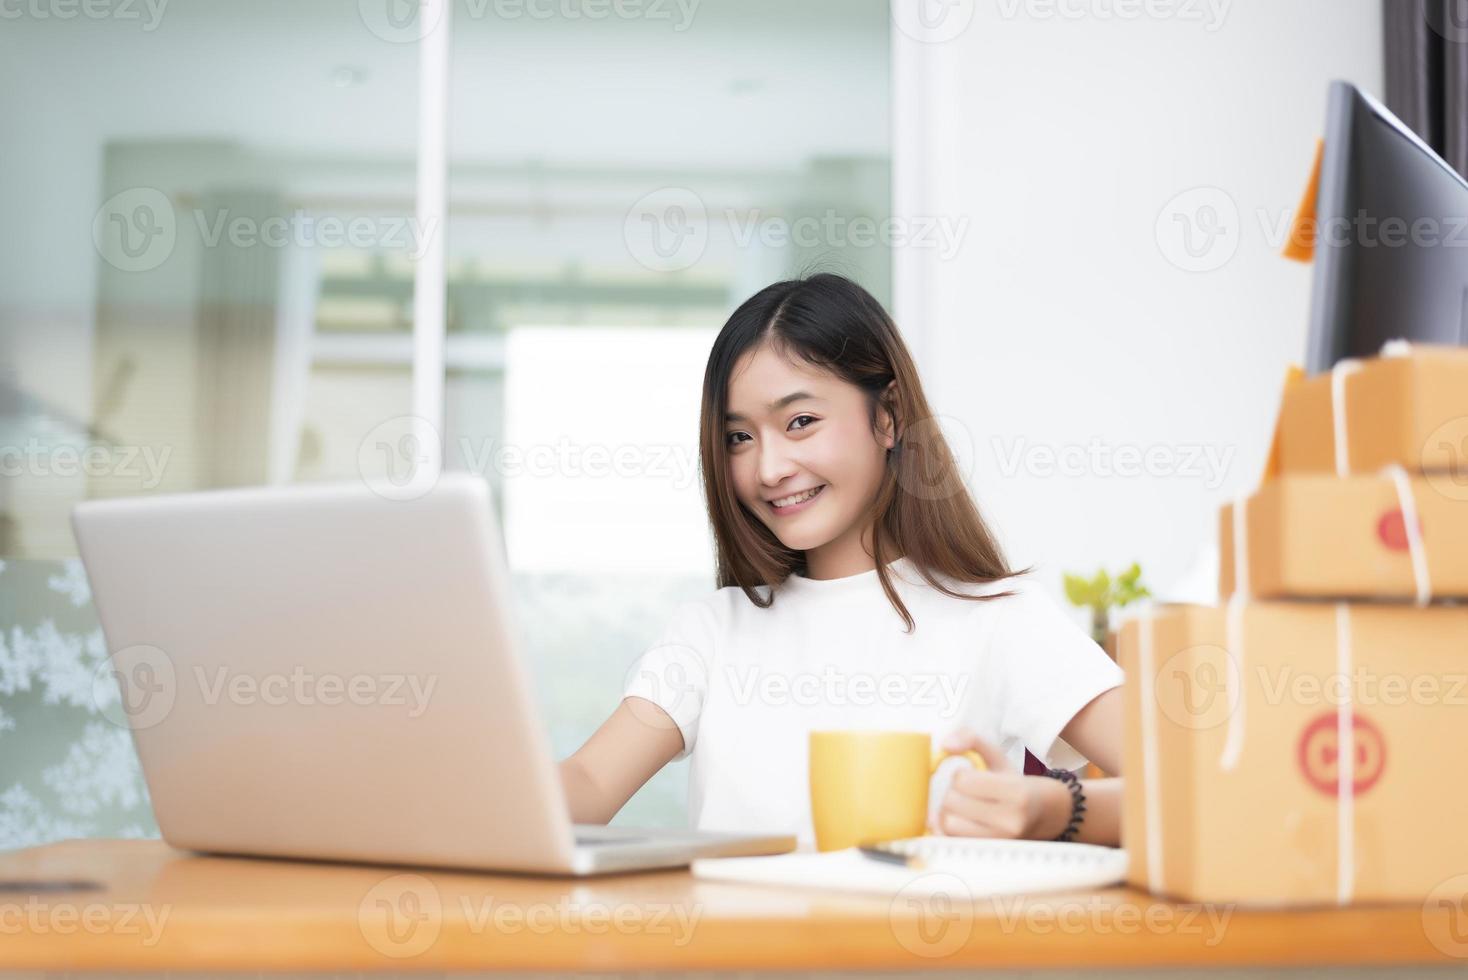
(808, 419)
(736, 438)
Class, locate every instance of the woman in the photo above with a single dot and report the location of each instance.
(859, 589)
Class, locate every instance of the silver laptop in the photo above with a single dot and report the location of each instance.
(318, 671)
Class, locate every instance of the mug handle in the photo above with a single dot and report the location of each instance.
(973, 757)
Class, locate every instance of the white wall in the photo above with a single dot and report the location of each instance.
(1062, 132)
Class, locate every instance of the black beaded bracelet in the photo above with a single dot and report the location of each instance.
(1077, 802)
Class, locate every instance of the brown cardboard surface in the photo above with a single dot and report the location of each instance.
(1317, 536)
(1272, 465)
(1267, 829)
(1409, 411)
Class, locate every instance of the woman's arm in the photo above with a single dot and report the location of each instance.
(1095, 731)
(626, 751)
(1002, 803)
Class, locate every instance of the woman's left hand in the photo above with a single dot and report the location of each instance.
(999, 802)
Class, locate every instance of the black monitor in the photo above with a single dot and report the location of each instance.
(1391, 253)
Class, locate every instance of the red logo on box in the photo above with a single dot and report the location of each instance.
(1319, 753)
(1392, 530)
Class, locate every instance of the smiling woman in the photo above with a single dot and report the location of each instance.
(796, 456)
(841, 523)
(815, 424)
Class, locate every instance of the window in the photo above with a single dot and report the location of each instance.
(214, 285)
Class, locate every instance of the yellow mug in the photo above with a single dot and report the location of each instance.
(872, 786)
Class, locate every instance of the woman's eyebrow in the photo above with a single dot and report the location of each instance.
(775, 405)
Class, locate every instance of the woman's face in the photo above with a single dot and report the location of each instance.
(802, 453)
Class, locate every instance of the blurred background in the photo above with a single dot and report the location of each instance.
(214, 230)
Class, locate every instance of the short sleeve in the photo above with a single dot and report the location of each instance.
(1047, 670)
(673, 672)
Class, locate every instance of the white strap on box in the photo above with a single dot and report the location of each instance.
(1405, 499)
(1233, 637)
(1151, 767)
(1338, 375)
(1407, 504)
(1346, 717)
(1345, 810)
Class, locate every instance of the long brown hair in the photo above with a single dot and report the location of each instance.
(922, 511)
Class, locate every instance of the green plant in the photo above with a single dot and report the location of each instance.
(1101, 593)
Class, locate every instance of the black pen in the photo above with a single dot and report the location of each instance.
(878, 852)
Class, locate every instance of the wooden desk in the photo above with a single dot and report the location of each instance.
(160, 909)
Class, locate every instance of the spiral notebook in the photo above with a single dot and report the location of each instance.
(979, 867)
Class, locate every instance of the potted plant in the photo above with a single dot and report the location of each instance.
(1102, 593)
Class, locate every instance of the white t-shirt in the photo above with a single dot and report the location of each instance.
(747, 685)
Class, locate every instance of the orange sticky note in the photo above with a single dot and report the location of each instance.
(1300, 246)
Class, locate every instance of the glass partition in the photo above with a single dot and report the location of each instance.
(209, 281)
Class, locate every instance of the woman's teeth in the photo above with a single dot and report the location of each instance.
(796, 498)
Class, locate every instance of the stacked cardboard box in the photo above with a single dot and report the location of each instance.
(1238, 787)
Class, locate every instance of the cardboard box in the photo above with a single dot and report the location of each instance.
(1409, 410)
(1326, 537)
(1233, 788)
